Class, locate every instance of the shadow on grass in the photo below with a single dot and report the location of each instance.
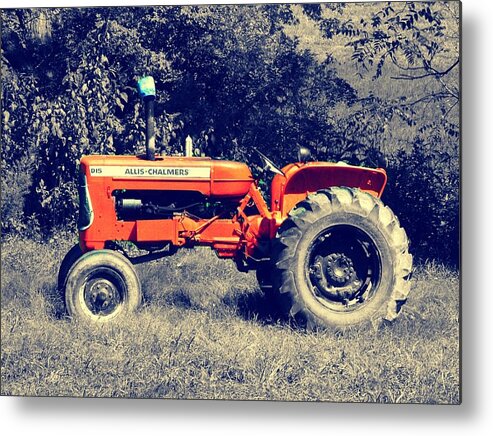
(256, 306)
(177, 298)
(55, 302)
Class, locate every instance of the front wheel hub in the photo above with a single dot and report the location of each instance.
(102, 297)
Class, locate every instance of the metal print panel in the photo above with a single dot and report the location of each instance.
(255, 202)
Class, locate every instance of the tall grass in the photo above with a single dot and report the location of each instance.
(205, 332)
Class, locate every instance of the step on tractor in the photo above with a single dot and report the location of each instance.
(326, 246)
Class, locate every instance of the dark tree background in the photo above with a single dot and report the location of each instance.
(370, 84)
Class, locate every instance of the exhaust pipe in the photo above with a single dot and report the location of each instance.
(147, 91)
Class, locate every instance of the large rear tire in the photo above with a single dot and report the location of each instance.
(101, 286)
(341, 259)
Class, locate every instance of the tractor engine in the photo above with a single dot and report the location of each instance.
(132, 205)
(164, 199)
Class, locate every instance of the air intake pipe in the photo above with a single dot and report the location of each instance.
(147, 91)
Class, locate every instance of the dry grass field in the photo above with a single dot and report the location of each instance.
(205, 332)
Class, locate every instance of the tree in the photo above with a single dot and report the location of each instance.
(406, 57)
(226, 75)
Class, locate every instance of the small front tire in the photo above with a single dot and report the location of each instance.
(102, 286)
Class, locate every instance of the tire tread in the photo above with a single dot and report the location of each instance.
(315, 207)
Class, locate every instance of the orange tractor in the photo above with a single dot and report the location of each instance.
(326, 245)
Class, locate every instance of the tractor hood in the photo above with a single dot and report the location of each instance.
(214, 178)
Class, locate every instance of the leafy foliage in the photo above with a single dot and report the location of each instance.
(407, 115)
(232, 79)
(424, 194)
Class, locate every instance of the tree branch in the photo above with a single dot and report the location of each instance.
(394, 61)
(433, 73)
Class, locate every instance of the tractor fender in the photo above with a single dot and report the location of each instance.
(301, 179)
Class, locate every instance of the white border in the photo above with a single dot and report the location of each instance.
(78, 417)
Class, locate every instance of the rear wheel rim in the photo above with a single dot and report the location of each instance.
(343, 268)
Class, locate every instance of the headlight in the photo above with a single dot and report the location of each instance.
(304, 154)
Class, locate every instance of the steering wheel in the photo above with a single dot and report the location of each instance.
(268, 164)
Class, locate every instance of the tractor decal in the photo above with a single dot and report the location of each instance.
(159, 172)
